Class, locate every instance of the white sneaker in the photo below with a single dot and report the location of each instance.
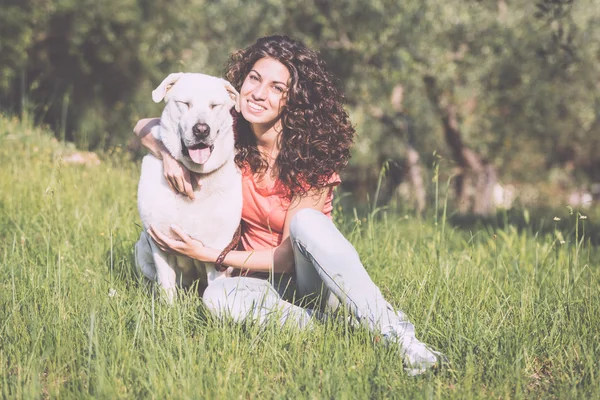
(416, 355)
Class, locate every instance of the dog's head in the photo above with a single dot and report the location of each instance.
(196, 123)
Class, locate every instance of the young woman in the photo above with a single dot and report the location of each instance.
(293, 137)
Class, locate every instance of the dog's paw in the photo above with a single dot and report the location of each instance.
(169, 295)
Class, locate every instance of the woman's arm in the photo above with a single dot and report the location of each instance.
(281, 258)
(178, 177)
(278, 259)
(143, 130)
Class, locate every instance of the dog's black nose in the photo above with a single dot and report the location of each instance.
(201, 130)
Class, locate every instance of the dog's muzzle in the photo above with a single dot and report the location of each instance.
(199, 153)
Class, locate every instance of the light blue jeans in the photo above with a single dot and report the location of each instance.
(328, 271)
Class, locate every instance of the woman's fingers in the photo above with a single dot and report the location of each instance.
(178, 176)
(163, 248)
(161, 241)
(172, 183)
(181, 184)
(187, 186)
(154, 237)
(180, 233)
(179, 242)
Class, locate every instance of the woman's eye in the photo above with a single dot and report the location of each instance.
(253, 77)
(278, 89)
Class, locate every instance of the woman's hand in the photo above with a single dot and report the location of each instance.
(184, 245)
(178, 177)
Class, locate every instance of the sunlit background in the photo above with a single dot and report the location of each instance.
(498, 101)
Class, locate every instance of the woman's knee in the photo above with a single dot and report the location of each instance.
(215, 295)
(314, 230)
(305, 222)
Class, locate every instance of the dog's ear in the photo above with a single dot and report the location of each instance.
(235, 96)
(161, 91)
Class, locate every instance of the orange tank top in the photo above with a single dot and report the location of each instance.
(264, 212)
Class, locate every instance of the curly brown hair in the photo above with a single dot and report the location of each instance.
(317, 133)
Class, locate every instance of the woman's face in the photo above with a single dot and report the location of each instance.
(263, 93)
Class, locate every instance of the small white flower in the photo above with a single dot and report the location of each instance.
(583, 217)
(556, 219)
(562, 242)
(112, 292)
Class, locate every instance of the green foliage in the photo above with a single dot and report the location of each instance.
(515, 310)
(522, 75)
(84, 62)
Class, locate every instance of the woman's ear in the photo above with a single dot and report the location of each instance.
(161, 91)
(233, 94)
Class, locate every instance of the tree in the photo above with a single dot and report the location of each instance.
(510, 87)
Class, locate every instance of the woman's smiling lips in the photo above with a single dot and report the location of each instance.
(255, 107)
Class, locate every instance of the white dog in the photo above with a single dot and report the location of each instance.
(196, 127)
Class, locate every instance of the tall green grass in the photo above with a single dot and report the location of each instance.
(515, 310)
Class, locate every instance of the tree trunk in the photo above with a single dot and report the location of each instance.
(409, 169)
(476, 178)
(414, 173)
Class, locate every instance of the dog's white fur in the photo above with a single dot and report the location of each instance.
(215, 213)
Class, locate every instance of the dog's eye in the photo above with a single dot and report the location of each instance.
(212, 106)
(187, 105)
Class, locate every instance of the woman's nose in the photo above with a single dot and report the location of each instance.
(259, 92)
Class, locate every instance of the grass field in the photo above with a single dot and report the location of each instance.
(516, 310)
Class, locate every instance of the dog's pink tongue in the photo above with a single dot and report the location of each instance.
(200, 156)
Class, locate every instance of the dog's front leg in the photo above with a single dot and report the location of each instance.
(165, 274)
(212, 274)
